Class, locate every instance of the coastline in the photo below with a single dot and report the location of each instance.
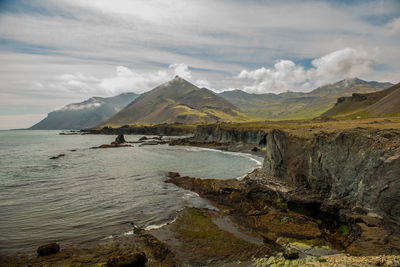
(243, 203)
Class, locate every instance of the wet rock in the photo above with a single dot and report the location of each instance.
(290, 255)
(269, 237)
(136, 258)
(173, 174)
(48, 249)
(120, 139)
(150, 143)
(57, 157)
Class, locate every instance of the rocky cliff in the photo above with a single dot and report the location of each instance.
(355, 170)
(216, 133)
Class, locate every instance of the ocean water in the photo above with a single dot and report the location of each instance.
(94, 194)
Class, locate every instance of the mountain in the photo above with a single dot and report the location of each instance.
(297, 105)
(177, 101)
(378, 104)
(86, 114)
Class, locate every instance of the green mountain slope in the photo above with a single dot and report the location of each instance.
(292, 105)
(378, 104)
(177, 101)
(85, 114)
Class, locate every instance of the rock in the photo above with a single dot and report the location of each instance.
(48, 249)
(269, 237)
(290, 255)
(136, 258)
(120, 139)
(57, 157)
(150, 143)
(143, 138)
(173, 174)
(359, 157)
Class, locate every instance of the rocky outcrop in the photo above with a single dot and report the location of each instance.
(48, 249)
(120, 139)
(353, 170)
(136, 258)
(216, 133)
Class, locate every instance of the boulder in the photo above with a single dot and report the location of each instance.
(48, 249)
(120, 139)
(136, 258)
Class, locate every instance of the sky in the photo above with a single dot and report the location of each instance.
(58, 52)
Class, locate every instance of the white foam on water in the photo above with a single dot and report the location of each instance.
(128, 233)
(190, 195)
(258, 160)
(158, 226)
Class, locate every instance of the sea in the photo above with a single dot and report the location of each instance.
(90, 195)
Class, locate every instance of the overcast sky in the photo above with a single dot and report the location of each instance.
(56, 52)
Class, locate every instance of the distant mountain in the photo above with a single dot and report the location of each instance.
(85, 114)
(177, 101)
(297, 105)
(378, 104)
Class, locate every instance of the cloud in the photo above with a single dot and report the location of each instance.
(286, 75)
(344, 63)
(217, 39)
(181, 70)
(123, 80)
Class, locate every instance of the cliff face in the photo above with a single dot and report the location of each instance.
(215, 133)
(355, 170)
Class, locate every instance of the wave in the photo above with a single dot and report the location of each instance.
(258, 160)
(158, 226)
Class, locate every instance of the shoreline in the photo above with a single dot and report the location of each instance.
(72, 250)
(249, 215)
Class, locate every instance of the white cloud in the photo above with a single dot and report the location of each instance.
(123, 80)
(286, 75)
(127, 80)
(181, 70)
(344, 63)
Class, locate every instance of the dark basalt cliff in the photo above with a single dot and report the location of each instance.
(355, 170)
(345, 171)
(215, 133)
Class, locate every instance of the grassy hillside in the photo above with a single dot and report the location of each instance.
(292, 105)
(177, 101)
(378, 104)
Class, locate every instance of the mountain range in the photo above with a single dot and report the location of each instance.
(297, 105)
(177, 101)
(86, 114)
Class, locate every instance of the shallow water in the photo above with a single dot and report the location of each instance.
(93, 194)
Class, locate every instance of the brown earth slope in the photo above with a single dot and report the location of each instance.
(177, 101)
(378, 104)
